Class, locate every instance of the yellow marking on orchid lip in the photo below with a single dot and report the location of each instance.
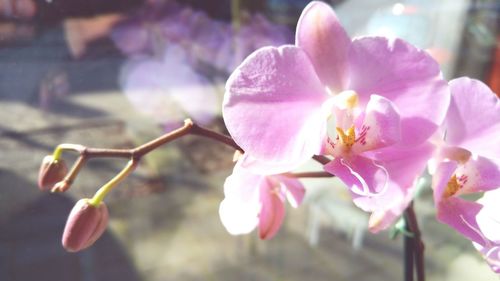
(452, 187)
(349, 138)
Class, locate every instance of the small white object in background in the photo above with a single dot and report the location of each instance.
(330, 205)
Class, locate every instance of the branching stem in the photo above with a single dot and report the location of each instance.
(134, 155)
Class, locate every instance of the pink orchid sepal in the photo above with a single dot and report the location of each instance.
(253, 200)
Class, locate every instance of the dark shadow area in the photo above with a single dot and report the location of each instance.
(30, 244)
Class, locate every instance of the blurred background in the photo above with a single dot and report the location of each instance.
(117, 73)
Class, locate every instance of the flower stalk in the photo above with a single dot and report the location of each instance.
(413, 247)
(105, 189)
(135, 154)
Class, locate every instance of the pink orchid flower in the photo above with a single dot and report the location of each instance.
(468, 161)
(253, 200)
(386, 97)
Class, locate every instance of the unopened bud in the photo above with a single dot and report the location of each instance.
(85, 225)
(51, 172)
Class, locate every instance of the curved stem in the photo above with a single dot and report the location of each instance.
(188, 128)
(71, 176)
(227, 140)
(105, 189)
(135, 155)
(154, 144)
(66, 146)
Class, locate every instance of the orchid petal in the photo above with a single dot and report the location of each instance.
(381, 125)
(405, 167)
(264, 167)
(454, 153)
(272, 106)
(240, 208)
(408, 77)
(488, 220)
(473, 120)
(322, 37)
(272, 212)
(295, 191)
(478, 174)
(491, 254)
(440, 179)
(461, 215)
(363, 176)
(382, 219)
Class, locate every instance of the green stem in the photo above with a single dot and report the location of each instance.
(105, 189)
(236, 14)
(66, 146)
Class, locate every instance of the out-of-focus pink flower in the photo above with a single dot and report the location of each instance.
(173, 49)
(386, 97)
(141, 33)
(133, 37)
(85, 224)
(256, 31)
(468, 161)
(212, 42)
(168, 89)
(253, 200)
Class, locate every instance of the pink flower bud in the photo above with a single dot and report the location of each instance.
(51, 172)
(84, 226)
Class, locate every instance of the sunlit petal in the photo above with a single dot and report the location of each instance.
(322, 37)
(461, 215)
(381, 125)
(406, 76)
(272, 212)
(473, 120)
(272, 106)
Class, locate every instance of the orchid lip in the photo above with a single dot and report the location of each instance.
(455, 185)
(477, 231)
(365, 189)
